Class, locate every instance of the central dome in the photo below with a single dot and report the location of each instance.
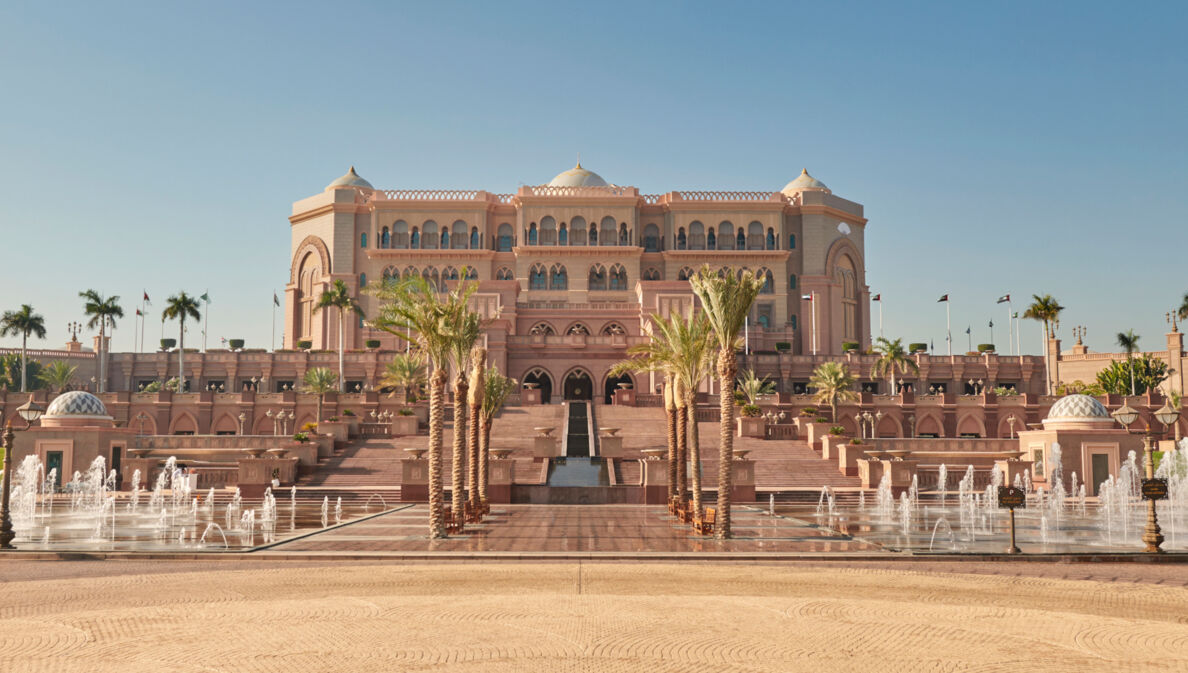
(578, 177)
(76, 403)
(1078, 410)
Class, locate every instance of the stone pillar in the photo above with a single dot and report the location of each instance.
(743, 487)
(1010, 468)
(655, 481)
(414, 480)
(610, 446)
(545, 447)
(500, 477)
(901, 472)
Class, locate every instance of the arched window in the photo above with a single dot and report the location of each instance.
(577, 328)
(430, 274)
(725, 235)
(740, 241)
(593, 236)
(415, 239)
(429, 235)
(458, 234)
(755, 236)
(505, 238)
(445, 239)
(792, 282)
(764, 320)
(696, 236)
(558, 279)
(362, 280)
(450, 273)
(577, 231)
(470, 273)
(618, 277)
(532, 234)
(597, 279)
(390, 273)
(846, 275)
(409, 272)
(400, 234)
(537, 280)
(651, 238)
(685, 273)
(682, 242)
(651, 273)
(607, 231)
(548, 230)
(474, 238)
(563, 235)
(385, 238)
(504, 274)
(711, 241)
(768, 281)
(612, 328)
(543, 329)
(623, 238)
(791, 241)
(363, 240)
(770, 241)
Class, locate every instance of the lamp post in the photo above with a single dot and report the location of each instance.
(1011, 420)
(1153, 489)
(242, 418)
(141, 418)
(29, 411)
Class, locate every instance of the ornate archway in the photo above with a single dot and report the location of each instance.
(578, 385)
(541, 379)
(612, 384)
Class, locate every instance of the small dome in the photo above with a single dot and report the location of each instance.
(578, 177)
(1078, 410)
(804, 182)
(351, 179)
(76, 403)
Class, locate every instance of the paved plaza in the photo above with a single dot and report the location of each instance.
(266, 616)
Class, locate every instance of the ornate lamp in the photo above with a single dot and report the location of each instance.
(1125, 415)
(1167, 415)
(29, 411)
(1153, 489)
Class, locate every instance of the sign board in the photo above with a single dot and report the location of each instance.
(1010, 497)
(1155, 489)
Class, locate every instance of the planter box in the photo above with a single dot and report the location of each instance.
(829, 445)
(338, 430)
(545, 447)
(625, 397)
(414, 480)
(610, 447)
(256, 474)
(815, 431)
(529, 396)
(404, 425)
(750, 426)
(325, 445)
(306, 453)
(847, 457)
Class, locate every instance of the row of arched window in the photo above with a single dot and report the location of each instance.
(427, 236)
(436, 278)
(726, 237)
(556, 277)
(576, 232)
(545, 328)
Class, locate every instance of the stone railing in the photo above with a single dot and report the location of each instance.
(46, 353)
(432, 194)
(548, 190)
(727, 196)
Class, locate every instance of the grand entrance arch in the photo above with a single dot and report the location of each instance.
(578, 385)
(543, 381)
(612, 384)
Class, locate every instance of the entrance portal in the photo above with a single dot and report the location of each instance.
(612, 384)
(543, 381)
(578, 386)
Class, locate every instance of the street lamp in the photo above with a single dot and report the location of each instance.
(29, 411)
(242, 418)
(142, 418)
(1011, 420)
(1153, 489)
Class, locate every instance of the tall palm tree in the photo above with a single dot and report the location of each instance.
(319, 381)
(674, 487)
(1183, 310)
(58, 375)
(693, 362)
(478, 368)
(496, 389)
(892, 357)
(412, 309)
(339, 297)
(24, 322)
(726, 301)
(833, 383)
(465, 329)
(1128, 340)
(1046, 310)
(406, 371)
(181, 306)
(103, 313)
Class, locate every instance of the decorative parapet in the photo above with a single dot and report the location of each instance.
(550, 190)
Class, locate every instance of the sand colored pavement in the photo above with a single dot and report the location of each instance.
(580, 617)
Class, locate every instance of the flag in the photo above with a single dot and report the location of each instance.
(931, 345)
(968, 330)
(275, 301)
(138, 312)
(991, 323)
(944, 297)
(1004, 298)
(877, 297)
(146, 299)
(806, 297)
(1015, 315)
(205, 297)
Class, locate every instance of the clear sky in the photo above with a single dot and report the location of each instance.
(998, 147)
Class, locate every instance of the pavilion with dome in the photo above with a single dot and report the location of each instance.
(583, 258)
(75, 429)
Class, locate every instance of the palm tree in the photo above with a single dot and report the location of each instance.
(657, 355)
(1128, 340)
(58, 375)
(103, 312)
(675, 487)
(1046, 310)
(465, 328)
(1183, 310)
(319, 381)
(412, 309)
(726, 301)
(23, 322)
(478, 367)
(496, 389)
(339, 297)
(892, 356)
(833, 383)
(751, 387)
(181, 306)
(406, 371)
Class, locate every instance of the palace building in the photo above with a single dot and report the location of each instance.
(571, 270)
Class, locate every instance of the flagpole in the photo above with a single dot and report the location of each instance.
(274, 321)
(1010, 326)
(948, 326)
(813, 301)
(880, 316)
(205, 319)
(747, 335)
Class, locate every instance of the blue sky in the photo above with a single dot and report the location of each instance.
(998, 147)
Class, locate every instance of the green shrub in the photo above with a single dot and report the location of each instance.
(301, 437)
(918, 348)
(751, 410)
(837, 431)
(405, 412)
(348, 413)
(372, 343)
(849, 346)
(855, 441)
(821, 419)
(982, 348)
(304, 345)
(166, 344)
(808, 411)
(783, 345)
(235, 344)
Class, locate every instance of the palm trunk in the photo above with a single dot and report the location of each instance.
(321, 401)
(181, 356)
(1047, 369)
(694, 448)
(458, 483)
(727, 371)
(437, 383)
(477, 368)
(100, 386)
(24, 359)
(341, 332)
(1132, 393)
(682, 439)
(670, 421)
(484, 457)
